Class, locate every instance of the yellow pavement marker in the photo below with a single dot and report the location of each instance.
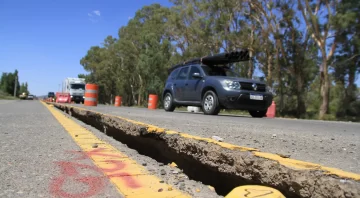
(130, 178)
(252, 191)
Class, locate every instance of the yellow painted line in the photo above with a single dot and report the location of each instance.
(254, 191)
(292, 163)
(130, 178)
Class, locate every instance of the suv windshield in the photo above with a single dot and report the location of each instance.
(77, 86)
(218, 71)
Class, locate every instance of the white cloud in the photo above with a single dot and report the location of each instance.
(129, 17)
(94, 16)
(97, 12)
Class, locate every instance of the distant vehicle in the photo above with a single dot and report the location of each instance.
(30, 97)
(210, 83)
(51, 95)
(23, 96)
(76, 88)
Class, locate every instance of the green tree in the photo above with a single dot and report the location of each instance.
(7, 82)
(307, 50)
(24, 88)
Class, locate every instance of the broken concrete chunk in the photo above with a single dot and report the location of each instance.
(162, 172)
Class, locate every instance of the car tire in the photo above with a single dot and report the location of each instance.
(169, 102)
(210, 103)
(257, 114)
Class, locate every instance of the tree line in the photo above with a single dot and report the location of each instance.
(9, 80)
(307, 51)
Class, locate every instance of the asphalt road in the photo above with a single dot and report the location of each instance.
(38, 158)
(36, 152)
(334, 144)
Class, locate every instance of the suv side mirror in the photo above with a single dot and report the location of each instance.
(196, 75)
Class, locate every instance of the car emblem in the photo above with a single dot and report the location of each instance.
(254, 86)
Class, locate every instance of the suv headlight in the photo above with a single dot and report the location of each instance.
(232, 84)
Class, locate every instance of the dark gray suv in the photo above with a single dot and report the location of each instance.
(209, 83)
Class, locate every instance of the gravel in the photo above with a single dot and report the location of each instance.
(333, 144)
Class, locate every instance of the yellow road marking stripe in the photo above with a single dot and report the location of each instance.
(293, 163)
(130, 178)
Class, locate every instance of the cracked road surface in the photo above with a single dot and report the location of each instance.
(334, 144)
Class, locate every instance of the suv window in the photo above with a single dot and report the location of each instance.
(218, 71)
(183, 73)
(193, 69)
(173, 74)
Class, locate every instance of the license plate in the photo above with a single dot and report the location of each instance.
(256, 97)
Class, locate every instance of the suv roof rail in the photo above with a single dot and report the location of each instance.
(217, 59)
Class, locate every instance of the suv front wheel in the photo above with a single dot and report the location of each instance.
(169, 102)
(210, 103)
(258, 114)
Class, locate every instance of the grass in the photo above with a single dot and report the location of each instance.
(6, 96)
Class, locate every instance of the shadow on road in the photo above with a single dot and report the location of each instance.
(223, 115)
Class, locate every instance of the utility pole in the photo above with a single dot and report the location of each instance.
(15, 86)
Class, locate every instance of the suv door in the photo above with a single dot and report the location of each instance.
(194, 85)
(179, 84)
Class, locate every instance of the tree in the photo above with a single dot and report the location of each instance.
(7, 83)
(347, 58)
(320, 32)
(307, 50)
(24, 88)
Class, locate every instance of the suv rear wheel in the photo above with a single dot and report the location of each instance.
(169, 102)
(257, 114)
(210, 103)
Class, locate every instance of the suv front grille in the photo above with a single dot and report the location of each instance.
(248, 86)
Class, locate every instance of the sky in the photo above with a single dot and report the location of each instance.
(45, 39)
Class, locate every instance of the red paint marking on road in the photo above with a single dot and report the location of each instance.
(119, 165)
(69, 172)
(69, 168)
(95, 184)
(128, 179)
